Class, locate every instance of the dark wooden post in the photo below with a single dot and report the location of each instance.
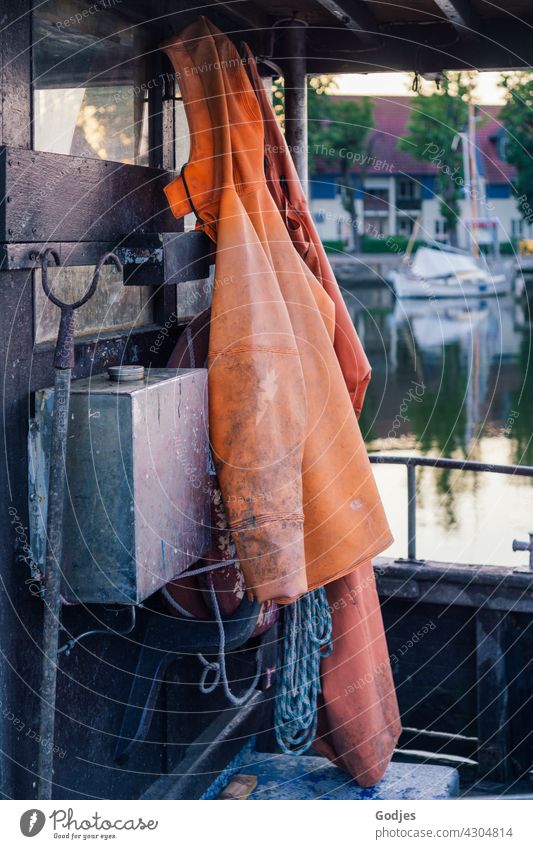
(295, 68)
(492, 696)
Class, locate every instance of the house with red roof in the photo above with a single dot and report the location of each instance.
(394, 189)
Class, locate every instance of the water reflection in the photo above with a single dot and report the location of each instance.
(451, 378)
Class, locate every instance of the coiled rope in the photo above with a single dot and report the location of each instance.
(307, 639)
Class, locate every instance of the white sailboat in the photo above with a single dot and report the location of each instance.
(443, 273)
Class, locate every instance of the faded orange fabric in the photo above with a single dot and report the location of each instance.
(290, 199)
(359, 721)
(281, 421)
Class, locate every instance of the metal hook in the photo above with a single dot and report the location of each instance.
(64, 353)
(50, 252)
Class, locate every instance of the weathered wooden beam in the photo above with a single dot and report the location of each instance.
(462, 15)
(500, 47)
(15, 74)
(160, 259)
(355, 16)
(493, 587)
(211, 752)
(441, 743)
(50, 197)
(492, 697)
(245, 14)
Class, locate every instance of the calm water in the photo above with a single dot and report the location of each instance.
(451, 379)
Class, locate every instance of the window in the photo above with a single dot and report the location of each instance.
(441, 227)
(517, 228)
(102, 90)
(408, 190)
(113, 307)
(405, 226)
(92, 80)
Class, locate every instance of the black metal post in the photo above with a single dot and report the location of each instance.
(295, 68)
(63, 365)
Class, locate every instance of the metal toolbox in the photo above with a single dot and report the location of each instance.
(137, 507)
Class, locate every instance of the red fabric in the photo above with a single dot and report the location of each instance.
(359, 722)
(289, 197)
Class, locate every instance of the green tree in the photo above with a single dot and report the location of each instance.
(435, 120)
(517, 118)
(338, 129)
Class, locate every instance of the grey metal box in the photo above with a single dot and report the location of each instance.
(137, 509)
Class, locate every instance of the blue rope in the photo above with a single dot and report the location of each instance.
(307, 638)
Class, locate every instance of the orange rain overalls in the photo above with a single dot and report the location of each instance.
(281, 421)
(359, 723)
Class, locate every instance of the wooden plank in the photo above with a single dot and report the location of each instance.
(440, 743)
(48, 197)
(502, 47)
(356, 16)
(432, 653)
(493, 587)
(161, 259)
(462, 16)
(211, 752)
(19, 620)
(492, 696)
(15, 74)
(20, 617)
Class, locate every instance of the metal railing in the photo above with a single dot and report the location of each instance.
(447, 463)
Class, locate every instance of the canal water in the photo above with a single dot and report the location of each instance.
(451, 378)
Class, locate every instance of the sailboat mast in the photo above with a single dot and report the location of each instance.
(473, 177)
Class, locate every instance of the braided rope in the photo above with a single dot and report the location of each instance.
(218, 667)
(307, 638)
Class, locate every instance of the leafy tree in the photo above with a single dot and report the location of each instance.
(435, 120)
(517, 118)
(338, 128)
